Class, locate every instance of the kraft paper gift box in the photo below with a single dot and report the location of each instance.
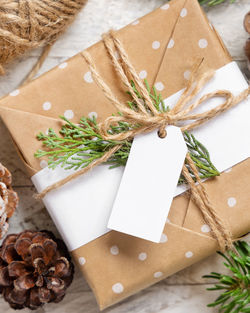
(163, 47)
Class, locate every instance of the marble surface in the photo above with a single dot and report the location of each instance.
(182, 292)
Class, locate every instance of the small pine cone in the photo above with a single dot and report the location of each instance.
(35, 268)
(8, 200)
(247, 22)
(247, 45)
(247, 52)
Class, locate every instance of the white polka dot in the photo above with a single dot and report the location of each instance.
(81, 260)
(142, 256)
(143, 74)
(114, 250)
(189, 254)
(136, 22)
(158, 274)
(231, 202)
(165, 6)
(47, 106)
(187, 75)
(203, 43)
(164, 238)
(47, 131)
(156, 45)
(171, 43)
(159, 86)
(63, 65)
(88, 77)
(117, 288)
(228, 170)
(183, 12)
(168, 220)
(205, 228)
(14, 93)
(69, 114)
(93, 115)
(43, 164)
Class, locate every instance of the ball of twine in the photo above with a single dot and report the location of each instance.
(28, 24)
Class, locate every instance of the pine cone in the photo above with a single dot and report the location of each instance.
(247, 22)
(247, 45)
(35, 269)
(8, 199)
(247, 52)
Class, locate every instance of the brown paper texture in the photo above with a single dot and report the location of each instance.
(165, 44)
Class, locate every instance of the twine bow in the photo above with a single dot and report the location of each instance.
(147, 118)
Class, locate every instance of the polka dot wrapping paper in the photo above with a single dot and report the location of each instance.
(163, 47)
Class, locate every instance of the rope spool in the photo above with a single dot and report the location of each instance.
(29, 24)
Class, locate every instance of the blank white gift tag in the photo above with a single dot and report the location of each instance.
(148, 184)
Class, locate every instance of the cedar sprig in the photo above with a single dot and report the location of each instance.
(235, 287)
(78, 145)
(201, 157)
(214, 2)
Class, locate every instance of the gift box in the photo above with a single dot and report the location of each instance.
(163, 47)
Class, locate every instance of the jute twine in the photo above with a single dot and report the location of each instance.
(28, 24)
(149, 118)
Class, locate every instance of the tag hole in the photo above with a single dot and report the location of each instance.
(162, 134)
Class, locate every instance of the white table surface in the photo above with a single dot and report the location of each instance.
(184, 292)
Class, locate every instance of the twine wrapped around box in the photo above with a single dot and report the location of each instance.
(148, 118)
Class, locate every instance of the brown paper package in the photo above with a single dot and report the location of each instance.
(165, 44)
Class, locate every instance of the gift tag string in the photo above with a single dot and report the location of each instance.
(146, 118)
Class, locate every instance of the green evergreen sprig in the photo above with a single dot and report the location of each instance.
(214, 2)
(78, 145)
(235, 287)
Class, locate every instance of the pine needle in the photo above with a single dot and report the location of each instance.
(214, 2)
(235, 287)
